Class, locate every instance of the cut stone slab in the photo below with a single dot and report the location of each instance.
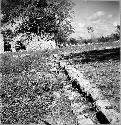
(84, 121)
(89, 88)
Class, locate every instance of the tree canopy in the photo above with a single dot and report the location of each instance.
(40, 16)
(118, 29)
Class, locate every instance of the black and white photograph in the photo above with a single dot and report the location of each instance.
(60, 62)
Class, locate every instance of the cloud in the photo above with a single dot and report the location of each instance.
(82, 33)
(80, 29)
(109, 16)
(115, 23)
(101, 23)
(104, 28)
(97, 15)
(78, 26)
(97, 21)
(81, 25)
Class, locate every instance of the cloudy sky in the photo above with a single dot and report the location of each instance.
(101, 15)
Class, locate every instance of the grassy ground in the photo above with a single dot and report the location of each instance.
(86, 47)
(101, 68)
(106, 77)
(30, 82)
(28, 87)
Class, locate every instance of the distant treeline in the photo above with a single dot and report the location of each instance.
(110, 38)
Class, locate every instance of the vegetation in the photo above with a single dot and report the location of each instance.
(33, 88)
(30, 82)
(28, 88)
(102, 70)
(106, 77)
(39, 17)
(49, 19)
(102, 39)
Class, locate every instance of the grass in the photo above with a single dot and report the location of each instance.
(29, 81)
(86, 47)
(106, 77)
(102, 69)
(27, 90)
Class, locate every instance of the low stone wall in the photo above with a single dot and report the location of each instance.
(94, 95)
(88, 47)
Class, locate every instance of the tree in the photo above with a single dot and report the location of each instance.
(42, 16)
(73, 41)
(118, 29)
(90, 31)
(117, 35)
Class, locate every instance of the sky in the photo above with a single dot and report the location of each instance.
(103, 16)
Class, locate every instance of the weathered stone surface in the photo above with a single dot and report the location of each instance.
(83, 121)
(95, 92)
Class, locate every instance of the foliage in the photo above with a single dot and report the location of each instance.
(109, 38)
(106, 77)
(28, 89)
(73, 41)
(90, 29)
(118, 29)
(40, 17)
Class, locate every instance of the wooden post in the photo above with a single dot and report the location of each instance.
(1, 44)
(13, 46)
